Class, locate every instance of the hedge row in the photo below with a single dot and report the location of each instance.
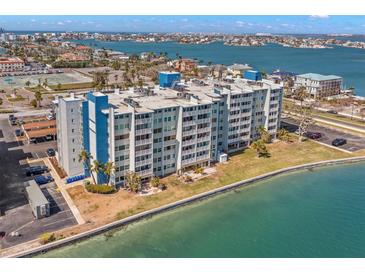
(101, 189)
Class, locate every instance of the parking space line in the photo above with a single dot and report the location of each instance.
(62, 220)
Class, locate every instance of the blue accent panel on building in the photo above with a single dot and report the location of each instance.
(167, 79)
(253, 75)
(101, 129)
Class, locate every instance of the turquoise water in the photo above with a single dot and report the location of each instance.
(346, 62)
(318, 213)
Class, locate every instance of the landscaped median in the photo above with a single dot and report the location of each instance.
(103, 212)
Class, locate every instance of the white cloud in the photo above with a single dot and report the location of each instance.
(269, 27)
(185, 20)
(320, 16)
(68, 21)
(33, 20)
(60, 23)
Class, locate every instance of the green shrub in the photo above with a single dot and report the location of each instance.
(101, 189)
(46, 238)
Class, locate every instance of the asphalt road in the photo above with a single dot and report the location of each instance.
(354, 142)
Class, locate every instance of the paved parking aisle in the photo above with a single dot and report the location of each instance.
(21, 219)
(354, 142)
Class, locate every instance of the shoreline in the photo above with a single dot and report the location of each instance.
(179, 203)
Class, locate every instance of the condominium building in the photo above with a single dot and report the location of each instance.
(69, 133)
(162, 131)
(319, 86)
(8, 64)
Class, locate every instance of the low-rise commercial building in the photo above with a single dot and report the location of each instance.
(319, 86)
(162, 131)
(9, 64)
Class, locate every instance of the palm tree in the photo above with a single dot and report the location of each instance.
(45, 82)
(133, 181)
(155, 182)
(109, 168)
(27, 83)
(38, 97)
(264, 134)
(85, 157)
(283, 135)
(260, 148)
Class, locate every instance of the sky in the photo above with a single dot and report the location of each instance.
(207, 24)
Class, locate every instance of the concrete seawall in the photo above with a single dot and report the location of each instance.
(179, 203)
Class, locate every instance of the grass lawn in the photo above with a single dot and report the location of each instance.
(340, 118)
(16, 99)
(100, 209)
(35, 89)
(72, 86)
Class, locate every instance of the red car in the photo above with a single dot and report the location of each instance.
(314, 135)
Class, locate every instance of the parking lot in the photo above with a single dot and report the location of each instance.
(16, 214)
(354, 142)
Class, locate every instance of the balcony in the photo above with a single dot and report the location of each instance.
(169, 142)
(144, 142)
(189, 142)
(144, 131)
(203, 139)
(207, 147)
(189, 123)
(144, 152)
(144, 173)
(189, 132)
(189, 151)
(202, 130)
(188, 161)
(143, 121)
(203, 121)
(144, 162)
(203, 157)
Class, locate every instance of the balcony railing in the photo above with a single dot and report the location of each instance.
(144, 162)
(144, 152)
(144, 142)
(143, 121)
(188, 161)
(143, 131)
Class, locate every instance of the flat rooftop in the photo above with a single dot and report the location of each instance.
(39, 125)
(319, 77)
(35, 194)
(200, 92)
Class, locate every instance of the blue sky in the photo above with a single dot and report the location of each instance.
(221, 24)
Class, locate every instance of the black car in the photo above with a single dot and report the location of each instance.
(35, 170)
(51, 152)
(2, 234)
(339, 142)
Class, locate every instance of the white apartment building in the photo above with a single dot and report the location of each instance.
(319, 86)
(164, 131)
(9, 64)
(69, 134)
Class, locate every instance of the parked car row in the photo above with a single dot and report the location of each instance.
(38, 173)
(317, 135)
